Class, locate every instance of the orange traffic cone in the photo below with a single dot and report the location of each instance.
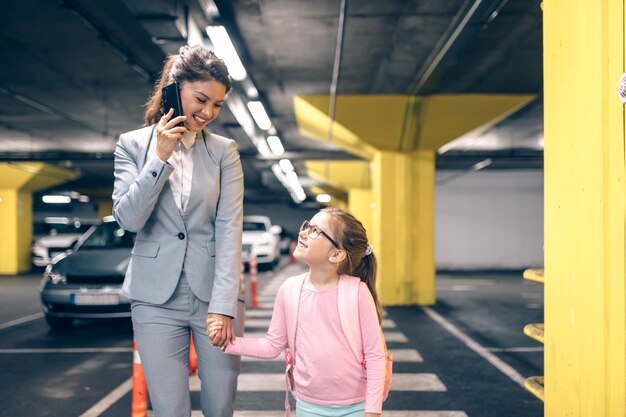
(139, 406)
(253, 281)
(193, 357)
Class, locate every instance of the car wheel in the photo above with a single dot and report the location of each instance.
(58, 322)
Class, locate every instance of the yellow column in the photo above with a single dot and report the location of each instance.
(360, 204)
(585, 345)
(105, 207)
(17, 182)
(403, 195)
(15, 231)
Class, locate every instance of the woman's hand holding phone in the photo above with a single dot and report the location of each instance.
(168, 134)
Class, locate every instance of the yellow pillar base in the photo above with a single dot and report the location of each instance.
(403, 227)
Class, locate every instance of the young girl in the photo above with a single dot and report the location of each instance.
(328, 379)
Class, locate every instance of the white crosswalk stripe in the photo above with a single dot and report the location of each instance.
(386, 413)
(276, 382)
(399, 355)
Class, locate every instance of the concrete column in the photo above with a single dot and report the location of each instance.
(403, 194)
(17, 183)
(15, 231)
(360, 204)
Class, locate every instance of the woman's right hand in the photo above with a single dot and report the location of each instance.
(168, 134)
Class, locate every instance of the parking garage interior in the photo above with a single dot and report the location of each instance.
(480, 142)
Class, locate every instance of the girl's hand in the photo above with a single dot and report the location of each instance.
(168, 134)
(372, 415)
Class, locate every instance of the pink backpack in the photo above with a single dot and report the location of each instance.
(348, 303)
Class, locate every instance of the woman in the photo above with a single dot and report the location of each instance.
(181, 189)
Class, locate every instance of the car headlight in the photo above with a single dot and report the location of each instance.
(53, 277)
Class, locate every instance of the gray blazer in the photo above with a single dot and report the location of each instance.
(207, 242)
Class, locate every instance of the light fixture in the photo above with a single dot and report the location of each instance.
(482, 164)
(56, 220)
(239, 110)
(323, 198)
(250, 89)
(261, 145)
(275, 145)
(291, 183)
(285, 165)
(56, 199)
(259, 114)
(225, 50)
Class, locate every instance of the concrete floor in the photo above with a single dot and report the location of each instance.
(465, 356)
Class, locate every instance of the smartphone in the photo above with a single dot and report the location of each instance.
(171, 99)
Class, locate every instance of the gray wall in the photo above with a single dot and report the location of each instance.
(489, 220)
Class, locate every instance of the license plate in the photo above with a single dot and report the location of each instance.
(95, 299)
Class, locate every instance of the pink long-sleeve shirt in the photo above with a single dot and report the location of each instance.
(326, 371)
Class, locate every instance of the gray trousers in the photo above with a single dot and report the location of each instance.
(162, 336)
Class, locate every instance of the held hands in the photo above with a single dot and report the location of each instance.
(168, 134)
(219, 328)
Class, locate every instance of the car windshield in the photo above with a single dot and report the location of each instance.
(60, 228)
(254, 226)
(109, 235)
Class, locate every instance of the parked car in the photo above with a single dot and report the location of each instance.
(86, 282)
(55, 236)
(261, 239)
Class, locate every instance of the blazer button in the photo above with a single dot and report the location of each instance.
(181, 236)
(153, 174)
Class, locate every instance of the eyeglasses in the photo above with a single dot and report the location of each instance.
(313, 232)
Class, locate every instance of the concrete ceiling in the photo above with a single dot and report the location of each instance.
(76, 73)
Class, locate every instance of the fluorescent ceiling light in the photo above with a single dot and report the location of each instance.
(225, 50)
(286, 165)
(259, 114)
(261, 145)
(323, 198)
(56, 220)
(275, 145)
(194, 33)
(56, 199)
(239, 110)
(482, 164)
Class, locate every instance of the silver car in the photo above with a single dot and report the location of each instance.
(86, 283)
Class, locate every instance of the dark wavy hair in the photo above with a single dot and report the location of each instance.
(352, 237)
(193, 63)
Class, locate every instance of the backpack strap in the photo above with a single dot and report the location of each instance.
(348, 303)
(291, 296)
(292, 288)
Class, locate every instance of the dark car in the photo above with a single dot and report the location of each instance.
(86, 282)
